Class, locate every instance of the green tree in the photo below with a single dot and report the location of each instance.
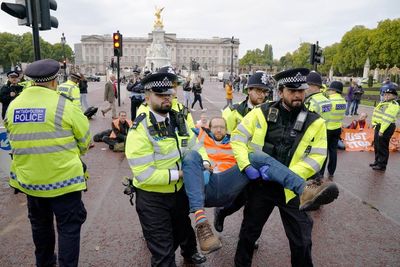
(301, 57)
(330, 54)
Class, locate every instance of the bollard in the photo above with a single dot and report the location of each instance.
(5, 159)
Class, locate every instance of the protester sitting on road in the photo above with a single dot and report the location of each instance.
(361, 123)
(119, 131)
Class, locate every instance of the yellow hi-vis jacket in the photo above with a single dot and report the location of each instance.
(385, 113)
(47, 133)
(151, 157)
(234, 115)
(71, 89)
(319, 104)
(307, 159)
(337, 112)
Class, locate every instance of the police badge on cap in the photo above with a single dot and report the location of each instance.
(162, 82)
(260, 80)
(293, 78)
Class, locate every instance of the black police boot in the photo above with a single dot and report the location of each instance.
(196, 258)
(218, 220)
(379, 168)
(373, 164)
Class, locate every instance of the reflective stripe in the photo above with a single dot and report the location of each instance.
(241, 128)
(192, 142)
(141, 160)
(314, 164)
(43, 149)
(48, 187)
(76, 98)
(385, 114)
(335, 120)
(388, 121)
(40, 135)
(255, 146)
(145, 174)
(320, 151)
(59, 113)
(239, 138)
(316, 104)
(221, 150)
(171, 155)
(84, 139)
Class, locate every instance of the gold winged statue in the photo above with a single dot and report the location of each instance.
(158, 22)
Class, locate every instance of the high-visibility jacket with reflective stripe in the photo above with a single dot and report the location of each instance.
(47, 133)
(151, 157)
(220, 155)
(307, 159)
(385, 113)
(26, 84)
(116, 125)
(319, 104)
(337, 112)
(233, 116)
(71, 89)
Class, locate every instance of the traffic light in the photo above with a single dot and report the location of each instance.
(18, 10)
(65, 64)
(312, 54)
(46, 21)
(117, 40)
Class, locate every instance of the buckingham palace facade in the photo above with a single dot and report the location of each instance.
(94, 53)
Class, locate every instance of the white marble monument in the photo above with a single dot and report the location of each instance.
(158, 54)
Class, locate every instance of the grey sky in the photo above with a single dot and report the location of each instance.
(282, 23)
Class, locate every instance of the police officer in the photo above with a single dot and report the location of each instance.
(9, 91)
(334, 125)
(156, 145)
(315, 99)
(294, 136)
(384, 119)
(71, 88)
(258, 88)
(46, 128)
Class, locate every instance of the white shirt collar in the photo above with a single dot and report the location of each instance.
(159, 118)
(249, 105)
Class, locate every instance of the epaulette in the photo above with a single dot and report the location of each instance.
(138, 119)
(235, 106)
(67, 97)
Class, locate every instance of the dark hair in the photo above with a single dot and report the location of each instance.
(119, 113)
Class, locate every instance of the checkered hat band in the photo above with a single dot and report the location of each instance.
(158, 84)
(296, 79)
(46, 79)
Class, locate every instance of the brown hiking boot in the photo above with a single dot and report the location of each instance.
(316, 193)
(207, 240)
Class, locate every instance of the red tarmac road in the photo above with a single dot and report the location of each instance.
(361, 228)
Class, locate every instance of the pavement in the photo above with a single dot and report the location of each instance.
(361, 228)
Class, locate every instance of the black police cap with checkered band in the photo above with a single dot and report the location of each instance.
(44, 70)
(161, 82)
(293, 78)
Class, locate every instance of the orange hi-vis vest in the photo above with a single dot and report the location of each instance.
(220, 155)
(116, 125)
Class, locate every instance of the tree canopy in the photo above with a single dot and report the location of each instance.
(19, 48)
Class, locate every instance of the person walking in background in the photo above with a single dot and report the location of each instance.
(197, 94)
(349, 97)
(9, 91)
(83, 86)
(358, 92)
(187, 96)
(229, 95)
(110, 96)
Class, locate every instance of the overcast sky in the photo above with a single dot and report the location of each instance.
(282, 23)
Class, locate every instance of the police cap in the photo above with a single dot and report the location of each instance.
(12, 73)
(392, 89)
(336, 86)
(293, 78)
(314, 78)
(76, 75)
(261, 80)
(161, 82)
(44, 70)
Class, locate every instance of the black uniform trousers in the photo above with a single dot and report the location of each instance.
(135, 103)
(333, 137)
(165, 222)
(70, 214)
(381, 144)
(262, 198)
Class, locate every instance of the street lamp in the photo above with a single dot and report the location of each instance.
(64, 59)
(232, 43)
